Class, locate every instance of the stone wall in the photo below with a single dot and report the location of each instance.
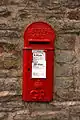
(64, 17)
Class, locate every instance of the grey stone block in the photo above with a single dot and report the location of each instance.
(63, 56)
(63, 69)
(65, 41)
(10, 84)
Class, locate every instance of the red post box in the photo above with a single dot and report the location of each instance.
(38, 62)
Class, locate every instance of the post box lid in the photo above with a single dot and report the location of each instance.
(39, 32)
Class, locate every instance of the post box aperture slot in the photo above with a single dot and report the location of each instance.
(39, 41)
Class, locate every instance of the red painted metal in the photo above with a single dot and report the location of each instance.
(38, 36)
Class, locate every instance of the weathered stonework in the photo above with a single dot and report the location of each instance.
(65, 41)
(64, 17)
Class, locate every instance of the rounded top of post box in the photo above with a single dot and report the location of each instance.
(39, 31)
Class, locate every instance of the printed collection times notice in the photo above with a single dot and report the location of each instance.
(38, 64)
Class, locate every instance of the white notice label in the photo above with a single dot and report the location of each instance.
(38, 64)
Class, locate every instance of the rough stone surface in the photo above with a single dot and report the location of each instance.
(65, 89)
(14, 108)
(65, 41)
(64, 17)
(64, 56)
(3, 115)
(62, 69)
